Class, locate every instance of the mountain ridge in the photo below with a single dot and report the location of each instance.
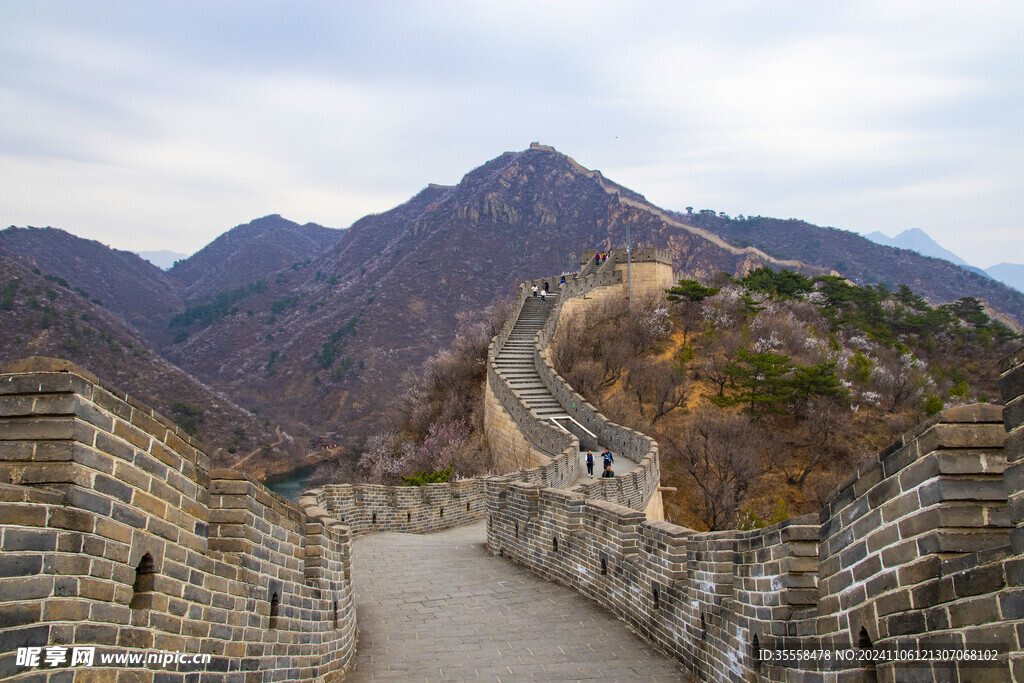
(316, 335)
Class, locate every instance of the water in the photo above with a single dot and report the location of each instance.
(290, 484)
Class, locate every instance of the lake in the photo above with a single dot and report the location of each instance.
(290, 484)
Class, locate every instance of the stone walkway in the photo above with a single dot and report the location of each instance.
(439, 607)
(620, 465)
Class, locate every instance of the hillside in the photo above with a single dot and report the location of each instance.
(248, 253)
(132, 288)
(334, 336)
(765, 393)
(43, 316)
(860, 259)
(313, 328)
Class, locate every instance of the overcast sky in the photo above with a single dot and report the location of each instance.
(159, 125)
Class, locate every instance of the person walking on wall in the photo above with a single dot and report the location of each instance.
(543, 294)
(547, 287)
(608, 471)
(607, 458)
(563, 280)
(534, 290)
(590, 463)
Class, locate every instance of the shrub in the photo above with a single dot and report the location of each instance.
(932, 404)
(442, 476)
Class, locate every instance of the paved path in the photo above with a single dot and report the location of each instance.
(620, 465)
(439, 607)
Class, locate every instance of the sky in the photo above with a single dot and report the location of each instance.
(160, 125)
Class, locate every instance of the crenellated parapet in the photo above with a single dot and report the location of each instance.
(509, 413)
(117, 536)
(913, 553)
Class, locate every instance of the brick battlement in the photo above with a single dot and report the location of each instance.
(912, 552)
(117, 535)
(635, 489)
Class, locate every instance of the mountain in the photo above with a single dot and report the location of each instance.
(141, 294)
(917, 240)
(163, 258)
(43, 315)
(1011, 274)
(861, 260)
(327, 341)
(249, 252)
(312, 329)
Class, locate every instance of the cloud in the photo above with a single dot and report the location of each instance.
(151, 125)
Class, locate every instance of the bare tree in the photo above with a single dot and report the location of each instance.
(724, 455)
(615, 355)
(824, 424)
(901, 381)
(657, 386)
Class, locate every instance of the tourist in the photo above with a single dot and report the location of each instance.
(547, 287)
(590, 463)
(608, 471)
(608, 459)
(534, 290)
(563, 281)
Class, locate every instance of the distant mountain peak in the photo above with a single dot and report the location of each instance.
(917, 240)
(1011, 274)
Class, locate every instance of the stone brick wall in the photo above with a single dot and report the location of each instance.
(1012, 385)
(409, 509)
(366, 508)
(510, 449)
(115, 534)
(911, 553)
(540, 453)
(635, 489)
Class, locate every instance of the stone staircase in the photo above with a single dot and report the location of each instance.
(515, 361)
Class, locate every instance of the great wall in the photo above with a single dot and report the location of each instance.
(116, 534)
